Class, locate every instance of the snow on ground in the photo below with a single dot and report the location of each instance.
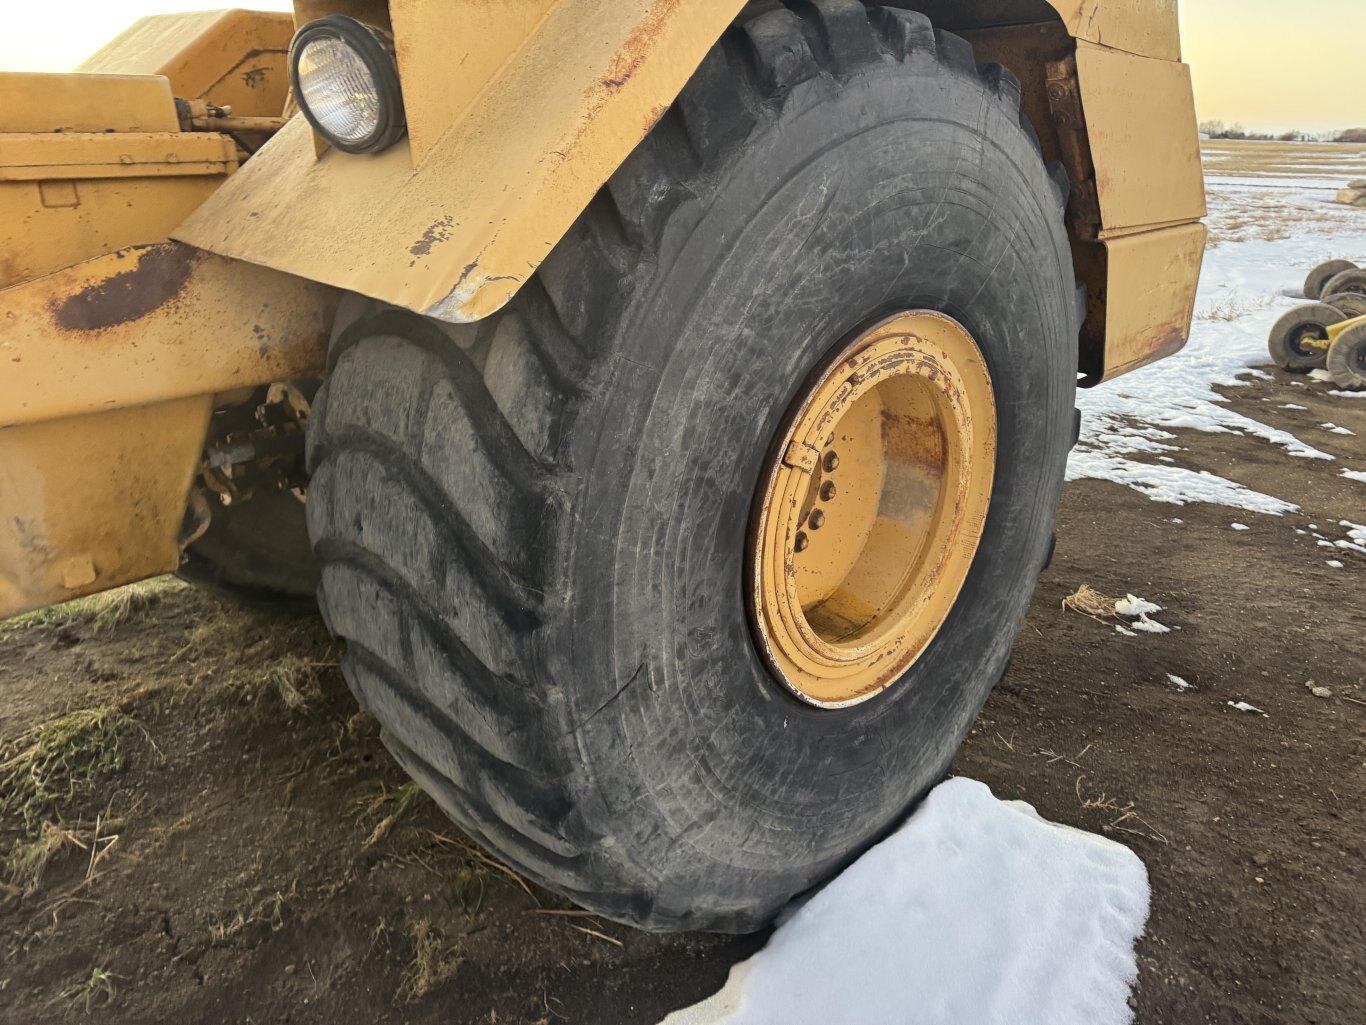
(1127, 424)
(975, 912)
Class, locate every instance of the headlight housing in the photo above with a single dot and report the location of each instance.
(345, 80)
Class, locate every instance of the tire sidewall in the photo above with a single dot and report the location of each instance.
(909, 186)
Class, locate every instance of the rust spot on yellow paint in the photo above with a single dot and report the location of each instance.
(157, 279)
(437, 232)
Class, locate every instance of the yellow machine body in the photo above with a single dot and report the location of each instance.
(117, 344)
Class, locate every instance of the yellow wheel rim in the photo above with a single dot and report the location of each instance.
(871, 508)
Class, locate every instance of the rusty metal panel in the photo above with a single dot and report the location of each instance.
(111, 368)
(154, 323)
(1146, 296)
(234, 58)
(1144, 142)
(456, 237)
(95, 501)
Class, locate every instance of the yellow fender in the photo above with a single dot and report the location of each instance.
(520, 110)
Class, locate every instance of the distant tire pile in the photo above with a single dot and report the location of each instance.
(1302, 341)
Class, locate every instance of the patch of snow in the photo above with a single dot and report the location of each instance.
(1335, 429)
(1333, 564)
(1179, 683)
(1319, 374)
(1150, 626)
(1349, 394)
(1120, 628)
(1131, 605)
(1178, 521)
(975, 911)
(1291, 405)
(1243, 706)
(1240, 526)
(1324, 543)
(1357, 475)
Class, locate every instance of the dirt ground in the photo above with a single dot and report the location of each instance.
(200, 826)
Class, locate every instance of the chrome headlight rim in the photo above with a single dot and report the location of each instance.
(375, 49)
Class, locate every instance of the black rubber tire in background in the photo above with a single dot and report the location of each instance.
(1285, 343)
(1351, 281)
(1349, 304)
(533, 528)
(1320, 276)
(1347, 359)
(257, 552)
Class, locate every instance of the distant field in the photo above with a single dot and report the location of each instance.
(1272, 190)
(1318, 160)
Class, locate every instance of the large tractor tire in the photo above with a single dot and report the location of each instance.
(681, 580)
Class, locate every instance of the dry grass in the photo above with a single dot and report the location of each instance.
(474, 853)
(89, 993)
(107, 612)
(44, 768)
(29, 858)
(1280, 208)
(1234, 306)
(398, 803)
(294, 680)
(268, 911)
(435, 960)
(1283, 160)
(1090, 602)
(1125, 818)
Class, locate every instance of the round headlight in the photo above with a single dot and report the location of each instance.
(346, 83)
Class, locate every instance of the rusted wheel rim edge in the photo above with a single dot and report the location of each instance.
(871, 508)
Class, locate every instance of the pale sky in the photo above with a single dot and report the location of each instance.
(1269, 64)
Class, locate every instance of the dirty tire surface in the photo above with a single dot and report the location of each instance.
(533, 529)
(1286, 345)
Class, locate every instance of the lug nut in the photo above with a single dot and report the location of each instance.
(832, 460)
(802, 542)
(827, 491)
(816, 520)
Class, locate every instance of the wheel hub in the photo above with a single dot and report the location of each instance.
(871, 508)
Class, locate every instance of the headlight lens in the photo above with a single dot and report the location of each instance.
(346, 82)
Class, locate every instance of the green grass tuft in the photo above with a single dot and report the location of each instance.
(47, 766)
